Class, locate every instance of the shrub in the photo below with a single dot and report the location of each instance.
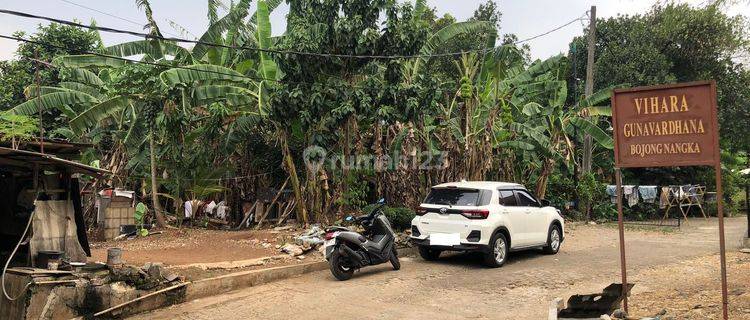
(355, 195)
(399, 217)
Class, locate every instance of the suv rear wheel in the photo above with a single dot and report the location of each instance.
(498, 251)
(428, 253)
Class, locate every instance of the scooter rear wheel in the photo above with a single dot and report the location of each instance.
(394, 259)
(339, 267)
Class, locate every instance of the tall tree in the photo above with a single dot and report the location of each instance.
(17, 74)
(676, 43)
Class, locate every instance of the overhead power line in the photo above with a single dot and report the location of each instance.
(219, 45)
(273, 51)
(104, 13)
(46, 44)
(580, 18)
(139, 24)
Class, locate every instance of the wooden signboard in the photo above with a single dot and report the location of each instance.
(666, 126)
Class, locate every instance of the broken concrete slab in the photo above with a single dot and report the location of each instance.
(292, 249)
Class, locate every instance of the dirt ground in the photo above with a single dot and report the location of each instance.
(677, 271)
(188, 246)
(691, 289)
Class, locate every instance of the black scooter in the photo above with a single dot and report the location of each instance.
(347, 250)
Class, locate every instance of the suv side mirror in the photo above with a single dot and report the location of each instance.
(545, 202)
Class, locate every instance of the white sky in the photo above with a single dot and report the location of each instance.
(524, 18)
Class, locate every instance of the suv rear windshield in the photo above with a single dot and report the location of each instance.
(457, 197)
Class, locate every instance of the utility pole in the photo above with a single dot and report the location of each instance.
(588, 147)
(587, 141)
(38, 102)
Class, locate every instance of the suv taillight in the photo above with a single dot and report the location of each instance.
(420, 211)
(475, 214)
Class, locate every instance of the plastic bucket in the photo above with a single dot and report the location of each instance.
(114, 256)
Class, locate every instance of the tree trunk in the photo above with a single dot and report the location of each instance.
(158, 212)
(541, 182)
(301, 210)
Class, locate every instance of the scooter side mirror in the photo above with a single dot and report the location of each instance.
(381, 201)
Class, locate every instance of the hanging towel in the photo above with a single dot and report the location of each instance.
(631, 193)
(648, 193)
(221, 210)
(611, 191)
(685, 191)
(209, 208)
(188, 209)
(664, 197)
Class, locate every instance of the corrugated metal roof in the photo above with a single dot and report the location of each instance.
(61, 148)
(26, 159)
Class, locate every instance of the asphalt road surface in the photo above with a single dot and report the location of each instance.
(458, 287)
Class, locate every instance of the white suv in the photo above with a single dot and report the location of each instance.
(490, 217)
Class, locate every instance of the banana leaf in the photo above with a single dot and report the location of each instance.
(56, 100)
(89, 61)
(217, 29)
(93, 115)
(86, 77)
(33, 91)
(267, 65)
(602, 138)
(445, 35)
(200, 72)
(75, 86)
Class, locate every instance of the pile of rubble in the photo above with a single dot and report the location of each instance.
(313, 239)
(308, 241)
(151, 276)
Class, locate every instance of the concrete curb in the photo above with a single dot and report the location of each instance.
(235, 281)
(238, 280)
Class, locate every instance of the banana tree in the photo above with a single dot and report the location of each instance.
(545, 125)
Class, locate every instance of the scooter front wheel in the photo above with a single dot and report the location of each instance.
(339, 268)
(394, 259)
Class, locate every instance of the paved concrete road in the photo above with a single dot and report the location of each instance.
(458, 287)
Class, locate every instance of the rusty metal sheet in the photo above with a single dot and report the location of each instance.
(667, 125)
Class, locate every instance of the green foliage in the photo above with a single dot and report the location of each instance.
(591, 194)
(561, 191)
(18, 74)
(676, 43)
(17, 128)
(217, 112)
(140, 212)
(588, 189)
(355, 195)
(399, 217)
(267, 66)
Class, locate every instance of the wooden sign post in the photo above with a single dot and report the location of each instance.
(667, 126)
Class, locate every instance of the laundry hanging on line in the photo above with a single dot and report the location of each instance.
(629, 192)
(648, 193)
